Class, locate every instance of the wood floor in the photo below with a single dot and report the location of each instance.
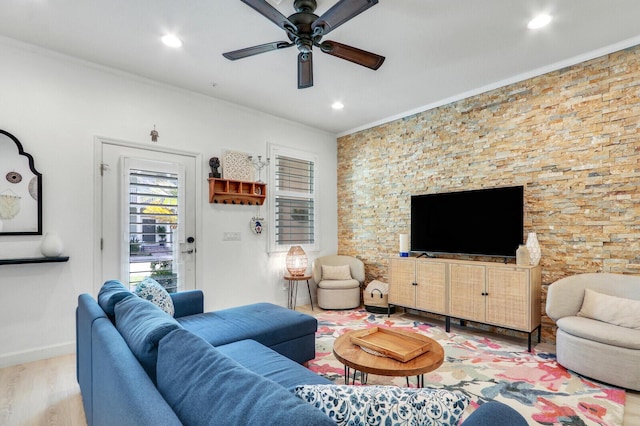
(46, 393)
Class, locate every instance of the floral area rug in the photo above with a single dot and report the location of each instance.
(485, 368)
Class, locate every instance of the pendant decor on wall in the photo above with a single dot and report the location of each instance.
(257, 225)
(14, 177)
(20, 190)
(9, 204)
(534, 248)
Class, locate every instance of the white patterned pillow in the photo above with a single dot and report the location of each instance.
(336, 272)
(385, 405)
(149, 289)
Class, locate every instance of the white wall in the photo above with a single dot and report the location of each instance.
(56, 106)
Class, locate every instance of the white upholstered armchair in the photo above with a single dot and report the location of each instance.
(338, 279)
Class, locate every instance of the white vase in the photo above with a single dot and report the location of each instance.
(51, 245)
(534, 248)
(523, 258)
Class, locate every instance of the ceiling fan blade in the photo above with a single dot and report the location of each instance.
(305, 70)
(352, 54)
(272, 14)
(250, 51)
(340, 13)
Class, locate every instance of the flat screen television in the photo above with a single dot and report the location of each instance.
(487, 222)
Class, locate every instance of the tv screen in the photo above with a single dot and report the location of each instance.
(485, 222)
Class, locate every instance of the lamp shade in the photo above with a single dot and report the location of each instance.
(296, 261)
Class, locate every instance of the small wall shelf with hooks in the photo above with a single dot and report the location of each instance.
(227, 191)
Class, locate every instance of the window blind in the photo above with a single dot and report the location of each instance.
(294, 201)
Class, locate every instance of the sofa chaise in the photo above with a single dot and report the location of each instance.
(598, 319)
(137, 365)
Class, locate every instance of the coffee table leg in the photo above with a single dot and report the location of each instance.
(346, 375)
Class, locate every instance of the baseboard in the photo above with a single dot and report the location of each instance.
(16, 358)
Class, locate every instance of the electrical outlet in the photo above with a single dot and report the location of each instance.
(231, 236)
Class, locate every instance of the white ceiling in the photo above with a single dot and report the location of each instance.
(436, 51)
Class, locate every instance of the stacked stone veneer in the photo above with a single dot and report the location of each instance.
(572, 137)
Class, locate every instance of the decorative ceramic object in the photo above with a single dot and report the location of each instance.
(51, 245)
(257, 225)
(534, 248)
(523, 258)
(404, 245)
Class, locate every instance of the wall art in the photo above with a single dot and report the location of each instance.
(20, 189)
(237, 166)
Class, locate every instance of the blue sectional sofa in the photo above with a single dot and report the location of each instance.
(121, 336)
(137, 365)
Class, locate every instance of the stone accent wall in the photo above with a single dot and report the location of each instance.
(572, 137)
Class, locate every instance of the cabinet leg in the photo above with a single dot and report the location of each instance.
(447, 322)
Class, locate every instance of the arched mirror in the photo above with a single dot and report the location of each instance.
(20, 189)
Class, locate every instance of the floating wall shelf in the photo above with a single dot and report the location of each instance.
(227, 191)
(33, 260)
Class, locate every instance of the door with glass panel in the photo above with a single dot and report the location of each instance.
(148, 216)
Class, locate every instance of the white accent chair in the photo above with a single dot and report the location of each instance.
(600, 350)
(338, 293)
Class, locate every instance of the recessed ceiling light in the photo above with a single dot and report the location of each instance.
(172, 40)
(337, 105)
(539, 21)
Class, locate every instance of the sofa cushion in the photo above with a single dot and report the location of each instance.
(149, 289)
(601, 332)
(111, 293)
(611, 309)
(339, 284)
(264, 322)
(142, 324)
(270, 364)
(205, 387)
(342, 272)
(360, 405)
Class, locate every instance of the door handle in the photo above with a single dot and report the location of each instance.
(188, 251)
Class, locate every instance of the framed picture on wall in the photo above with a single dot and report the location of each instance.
(237, 166)
(20, 189)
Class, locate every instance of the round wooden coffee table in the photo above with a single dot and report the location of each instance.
(354, 357)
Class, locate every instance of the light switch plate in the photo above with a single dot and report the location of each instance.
(231, 236)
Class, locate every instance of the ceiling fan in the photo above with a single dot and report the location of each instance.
(306, 29)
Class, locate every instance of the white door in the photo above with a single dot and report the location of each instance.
(148, 215)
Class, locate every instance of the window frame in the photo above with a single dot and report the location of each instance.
(273, 193)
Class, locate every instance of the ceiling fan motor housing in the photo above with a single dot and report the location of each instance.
(305, 5)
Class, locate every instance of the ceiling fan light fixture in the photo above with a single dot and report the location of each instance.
(539, 21)
(171, 40)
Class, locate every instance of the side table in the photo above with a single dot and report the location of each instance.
(293, 289)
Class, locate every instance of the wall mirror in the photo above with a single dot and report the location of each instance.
(20, 189)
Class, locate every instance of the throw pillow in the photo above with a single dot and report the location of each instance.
(149, 289)
(610, 309)
(205, 387)
(385, 405)
(142, 324)
(342, 272)
(112, 292)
